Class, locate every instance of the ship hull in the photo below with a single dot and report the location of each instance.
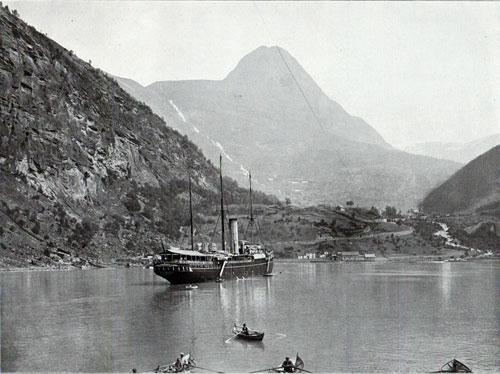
(210, 272)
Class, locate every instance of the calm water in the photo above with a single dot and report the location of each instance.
(351, 318)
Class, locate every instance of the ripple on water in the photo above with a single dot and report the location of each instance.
(378, 318)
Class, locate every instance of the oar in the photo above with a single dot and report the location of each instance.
(213, 371)
(279, 367)
(159, 368)
(231, 338)
(155, 369)
(307, 371)
(259, 371)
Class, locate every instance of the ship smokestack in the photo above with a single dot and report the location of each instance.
(233, 228)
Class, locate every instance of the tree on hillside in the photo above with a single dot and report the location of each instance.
(390, 212)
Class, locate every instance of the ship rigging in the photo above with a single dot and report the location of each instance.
(243, 259)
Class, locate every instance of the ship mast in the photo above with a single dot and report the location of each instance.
(191, 213)
(222, 204)
(251, 207)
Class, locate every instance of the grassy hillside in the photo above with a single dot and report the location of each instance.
(474, 185)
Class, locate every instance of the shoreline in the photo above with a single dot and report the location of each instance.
(401, 259)
(65, 268)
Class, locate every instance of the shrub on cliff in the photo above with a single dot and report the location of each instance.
(131, 202)
(84, 232)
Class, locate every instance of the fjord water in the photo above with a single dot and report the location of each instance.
(359, 317)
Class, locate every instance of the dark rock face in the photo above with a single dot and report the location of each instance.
(84, 166)
(475, 185)
(268, 115)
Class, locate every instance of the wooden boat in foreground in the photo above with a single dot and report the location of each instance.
(186, 365)
(252, 335)
(298, 367)
(454, 366)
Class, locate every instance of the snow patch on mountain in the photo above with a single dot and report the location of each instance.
(218, 145)
(179, 113)
(215, 143)
(245, 171)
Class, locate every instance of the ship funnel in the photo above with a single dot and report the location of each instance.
(233, 227)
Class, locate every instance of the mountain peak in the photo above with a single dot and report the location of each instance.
(266, 62)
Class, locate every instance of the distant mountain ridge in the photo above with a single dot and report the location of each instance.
(475, 185)
(268, 115)
(85, 167)
(459, 152)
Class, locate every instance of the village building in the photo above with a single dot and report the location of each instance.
(369, 257)
(348, 256)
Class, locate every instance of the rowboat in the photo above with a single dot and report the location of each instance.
(187, 363)
(297, 367)
(251, 335)
(454, 366)
(172, 369)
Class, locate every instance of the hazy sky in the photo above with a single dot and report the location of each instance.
(415, 71)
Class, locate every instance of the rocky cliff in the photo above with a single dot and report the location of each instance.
(85, 167)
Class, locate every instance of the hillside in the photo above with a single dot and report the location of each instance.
(268, 115)
(85, 168)
(473, 186)
(459, 152)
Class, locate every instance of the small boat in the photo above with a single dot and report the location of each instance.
(454, 366)
(297, 367)
(191, 287)
(187, 364)
(252, 335)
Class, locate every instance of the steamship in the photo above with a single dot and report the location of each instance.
(242, 259)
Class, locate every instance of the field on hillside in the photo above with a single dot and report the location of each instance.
(292, 231)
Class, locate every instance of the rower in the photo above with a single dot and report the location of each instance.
(178, 363)
(245, 329)
(288, 365)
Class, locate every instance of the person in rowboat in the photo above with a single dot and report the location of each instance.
(178, 363)
(245, 329)
(288, 365)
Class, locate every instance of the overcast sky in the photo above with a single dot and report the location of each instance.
(415, 71)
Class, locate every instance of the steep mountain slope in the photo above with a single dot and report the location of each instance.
(459, 152)
(269, 115)
(84, 166)
(476, 184)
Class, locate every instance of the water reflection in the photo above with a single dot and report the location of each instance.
(446, 275)
(376, 318)
(247, 344)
